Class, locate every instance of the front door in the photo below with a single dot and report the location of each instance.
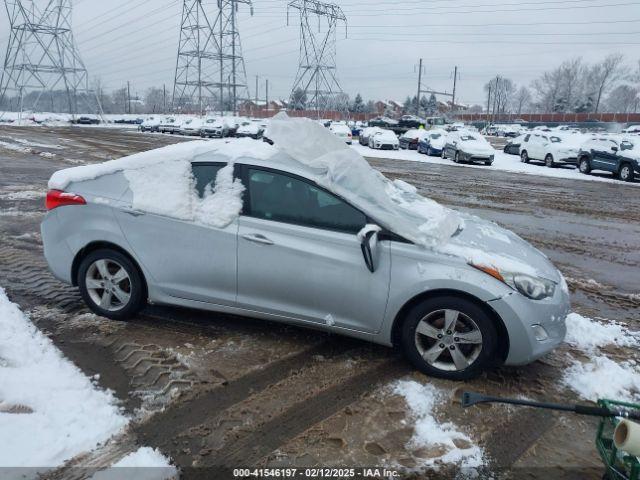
(299, 256)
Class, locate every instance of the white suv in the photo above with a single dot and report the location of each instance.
(551, 149)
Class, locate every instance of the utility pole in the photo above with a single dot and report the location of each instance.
(164, 98)
(419, 88)
(455, 81)
(128, 97)
(41, 53)
(317, 77)
(488, 105)
(266, 95)
(495, 98)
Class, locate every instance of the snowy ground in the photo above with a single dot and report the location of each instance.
(502, 161)
(50, 411)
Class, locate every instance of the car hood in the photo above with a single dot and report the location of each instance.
(482, 242)
(477, 148)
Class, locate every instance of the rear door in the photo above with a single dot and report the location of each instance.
(299, 256)
(184, 259)
(604, 158)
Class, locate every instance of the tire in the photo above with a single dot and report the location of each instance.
(548, 161)
(524, 157)
(488, 163)
(430, 317)
(584, 166)
(132, 291)
(443, 154)
(429, 152)
(456, 158)
(626, 173)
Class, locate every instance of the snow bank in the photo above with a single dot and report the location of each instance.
(342, 170)
(604, 378)
(421, 400)
(69, 416)
(143, 464)
(588, 334)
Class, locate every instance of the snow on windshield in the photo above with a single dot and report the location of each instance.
(337, 167)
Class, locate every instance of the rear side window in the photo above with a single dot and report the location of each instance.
(204, 175)
(283, 198)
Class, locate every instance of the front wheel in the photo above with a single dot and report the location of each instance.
(548, 161)
(111, 285)
(626, 173)
(584, 166)
(449, 337)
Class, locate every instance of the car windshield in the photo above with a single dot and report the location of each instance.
(435, 135)
(556, 140)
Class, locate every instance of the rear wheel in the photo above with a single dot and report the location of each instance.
(548, 161)
(524, 157)
(584, 166)
(456, 157)
(449, 337)
(626, 173)
(111, 284)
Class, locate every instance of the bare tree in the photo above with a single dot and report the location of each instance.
(500, 91)
(521, 100)
(605, 74)
(623, 99)
(154, 100)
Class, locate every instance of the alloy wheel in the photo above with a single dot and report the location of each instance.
(108, 284)
(448, 340)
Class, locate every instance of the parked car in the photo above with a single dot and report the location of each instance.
(215, 128)
(383, 122)
(411, 121)
(513, 146)
(250, 129)
(410, 139)
(87, 120)
(366, 133)
(191, 127)
(464, 146)
(342, 131)
(169, 125)
(552, 149)
(297, 251)
(384, 140)
(433, 142)
(632, 129)
(620, 157)
(151, 124)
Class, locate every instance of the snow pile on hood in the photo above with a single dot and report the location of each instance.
(342, 170)
(588, 334)
(421, 400)
(604, 378)
(69, 415)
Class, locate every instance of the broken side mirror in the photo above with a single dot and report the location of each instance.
(368, 237)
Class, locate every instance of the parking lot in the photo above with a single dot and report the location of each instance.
(219, 391)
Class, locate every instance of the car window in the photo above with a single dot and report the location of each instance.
(283, 198)
(204, 175)
(465, 138)
(435, 135)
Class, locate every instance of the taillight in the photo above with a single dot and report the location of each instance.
(58, 198)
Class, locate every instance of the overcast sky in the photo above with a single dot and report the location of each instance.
(136, 40)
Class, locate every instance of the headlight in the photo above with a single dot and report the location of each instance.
(535, 288)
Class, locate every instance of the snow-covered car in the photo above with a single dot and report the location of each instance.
(191, 127)
(618, 156)
(169, 125)
(366, 133)
(513, 146)
(551, 148)
(260, 231)
(342, 131)
(215, 128)
(411, 121)
(384, 140)
(464, 146)
(632, 129)
(433, 142)
(250, 129)
(151, 124)
(410, 139)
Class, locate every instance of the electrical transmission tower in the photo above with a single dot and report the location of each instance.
(41, 53)
(316, 82)
(210, 67)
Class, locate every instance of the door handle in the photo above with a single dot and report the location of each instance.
(133, 213)
(257, 238)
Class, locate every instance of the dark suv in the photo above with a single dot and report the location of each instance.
(610, 155)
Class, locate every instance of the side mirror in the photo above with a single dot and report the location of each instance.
(614, 149)
(368, 237)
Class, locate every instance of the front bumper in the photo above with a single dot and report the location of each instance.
(212, 133)
(521, 316)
